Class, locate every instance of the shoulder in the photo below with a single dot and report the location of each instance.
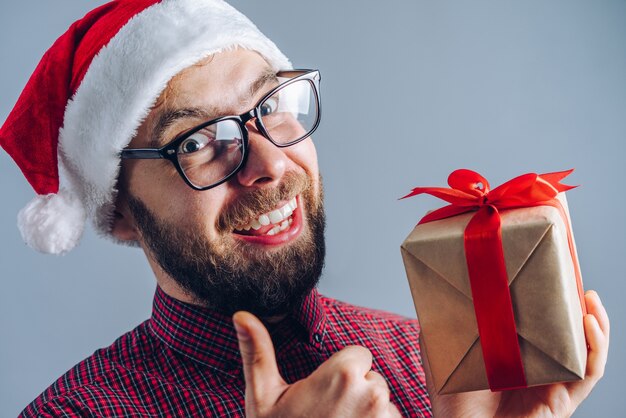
(83, 388)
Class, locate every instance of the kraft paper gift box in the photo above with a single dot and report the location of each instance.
(544, 294)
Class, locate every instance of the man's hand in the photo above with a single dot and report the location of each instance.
(556, 400)
(342, 386)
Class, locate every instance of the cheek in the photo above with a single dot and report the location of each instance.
(149, 177)
(173, 201)
(197, 210)
(305, 156)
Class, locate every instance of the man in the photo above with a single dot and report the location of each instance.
(219, 186)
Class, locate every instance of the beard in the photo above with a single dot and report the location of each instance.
(228, 275)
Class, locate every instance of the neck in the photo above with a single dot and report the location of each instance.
(173, 289)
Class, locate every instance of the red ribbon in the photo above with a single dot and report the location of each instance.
(469, 191)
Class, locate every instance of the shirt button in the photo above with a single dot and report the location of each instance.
(317, 337)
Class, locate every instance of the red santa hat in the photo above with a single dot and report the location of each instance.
(91, 91)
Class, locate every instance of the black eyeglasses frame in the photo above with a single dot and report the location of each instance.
(169, 150)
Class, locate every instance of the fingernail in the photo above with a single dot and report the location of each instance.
(242, 334)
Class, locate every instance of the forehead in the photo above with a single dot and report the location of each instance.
(223, 77)
(215, 85)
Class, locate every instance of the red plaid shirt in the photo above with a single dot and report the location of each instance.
(184, 361)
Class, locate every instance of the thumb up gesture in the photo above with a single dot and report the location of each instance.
(342, 386)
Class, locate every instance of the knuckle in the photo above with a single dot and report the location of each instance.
(597, 372)
(378, 397)
(357, 354)
(252, 357)
(359, 351)
(592, 379)
(345, 375)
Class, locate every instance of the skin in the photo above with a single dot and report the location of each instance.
(221, 82)
(344, 385)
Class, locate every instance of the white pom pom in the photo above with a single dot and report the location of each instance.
(53, 223)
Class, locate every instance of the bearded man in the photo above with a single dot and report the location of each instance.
(182, 129)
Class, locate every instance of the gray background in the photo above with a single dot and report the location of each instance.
(411, 91)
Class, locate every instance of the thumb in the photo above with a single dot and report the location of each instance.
(264, 383)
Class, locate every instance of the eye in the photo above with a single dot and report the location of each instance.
(269, 106)
(195, 142)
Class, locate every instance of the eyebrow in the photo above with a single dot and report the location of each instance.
(171, 116)
(266, 77)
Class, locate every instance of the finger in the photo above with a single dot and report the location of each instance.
(352, 360)
(596, 360)
(379, 394)
(377, 379)
(259, 360)
(598, 347)
(595, 307)
(393, 412)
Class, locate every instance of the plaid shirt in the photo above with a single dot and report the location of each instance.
(184, 361)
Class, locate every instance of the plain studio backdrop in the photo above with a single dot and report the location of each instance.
(411, 90)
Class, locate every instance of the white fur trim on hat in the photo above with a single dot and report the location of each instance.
(52, 223)
(127, 76)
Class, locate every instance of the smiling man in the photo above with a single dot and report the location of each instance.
(180, 128)
(247, 229)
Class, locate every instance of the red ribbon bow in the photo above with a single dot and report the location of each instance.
(469, 191)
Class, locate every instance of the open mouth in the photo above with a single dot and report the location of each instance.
(277, 222)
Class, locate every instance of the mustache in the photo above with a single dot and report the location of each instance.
(252, 204)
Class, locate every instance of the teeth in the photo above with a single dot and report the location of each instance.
(276, 217)
(274, 231)
(264, 220)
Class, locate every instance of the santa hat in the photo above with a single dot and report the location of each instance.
(92, 90)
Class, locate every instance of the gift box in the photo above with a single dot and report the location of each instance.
(517, 240)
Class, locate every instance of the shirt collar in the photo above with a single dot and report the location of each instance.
(209, 337)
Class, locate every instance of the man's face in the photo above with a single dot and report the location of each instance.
(200, 239)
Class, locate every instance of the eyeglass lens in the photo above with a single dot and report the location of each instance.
(290, 113)
(214, 152)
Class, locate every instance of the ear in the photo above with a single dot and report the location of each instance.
(124, 227)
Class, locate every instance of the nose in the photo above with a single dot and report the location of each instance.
(266, 162)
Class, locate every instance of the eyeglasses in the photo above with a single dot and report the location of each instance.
(211, 153)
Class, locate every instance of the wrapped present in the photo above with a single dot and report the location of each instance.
(496, 284)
